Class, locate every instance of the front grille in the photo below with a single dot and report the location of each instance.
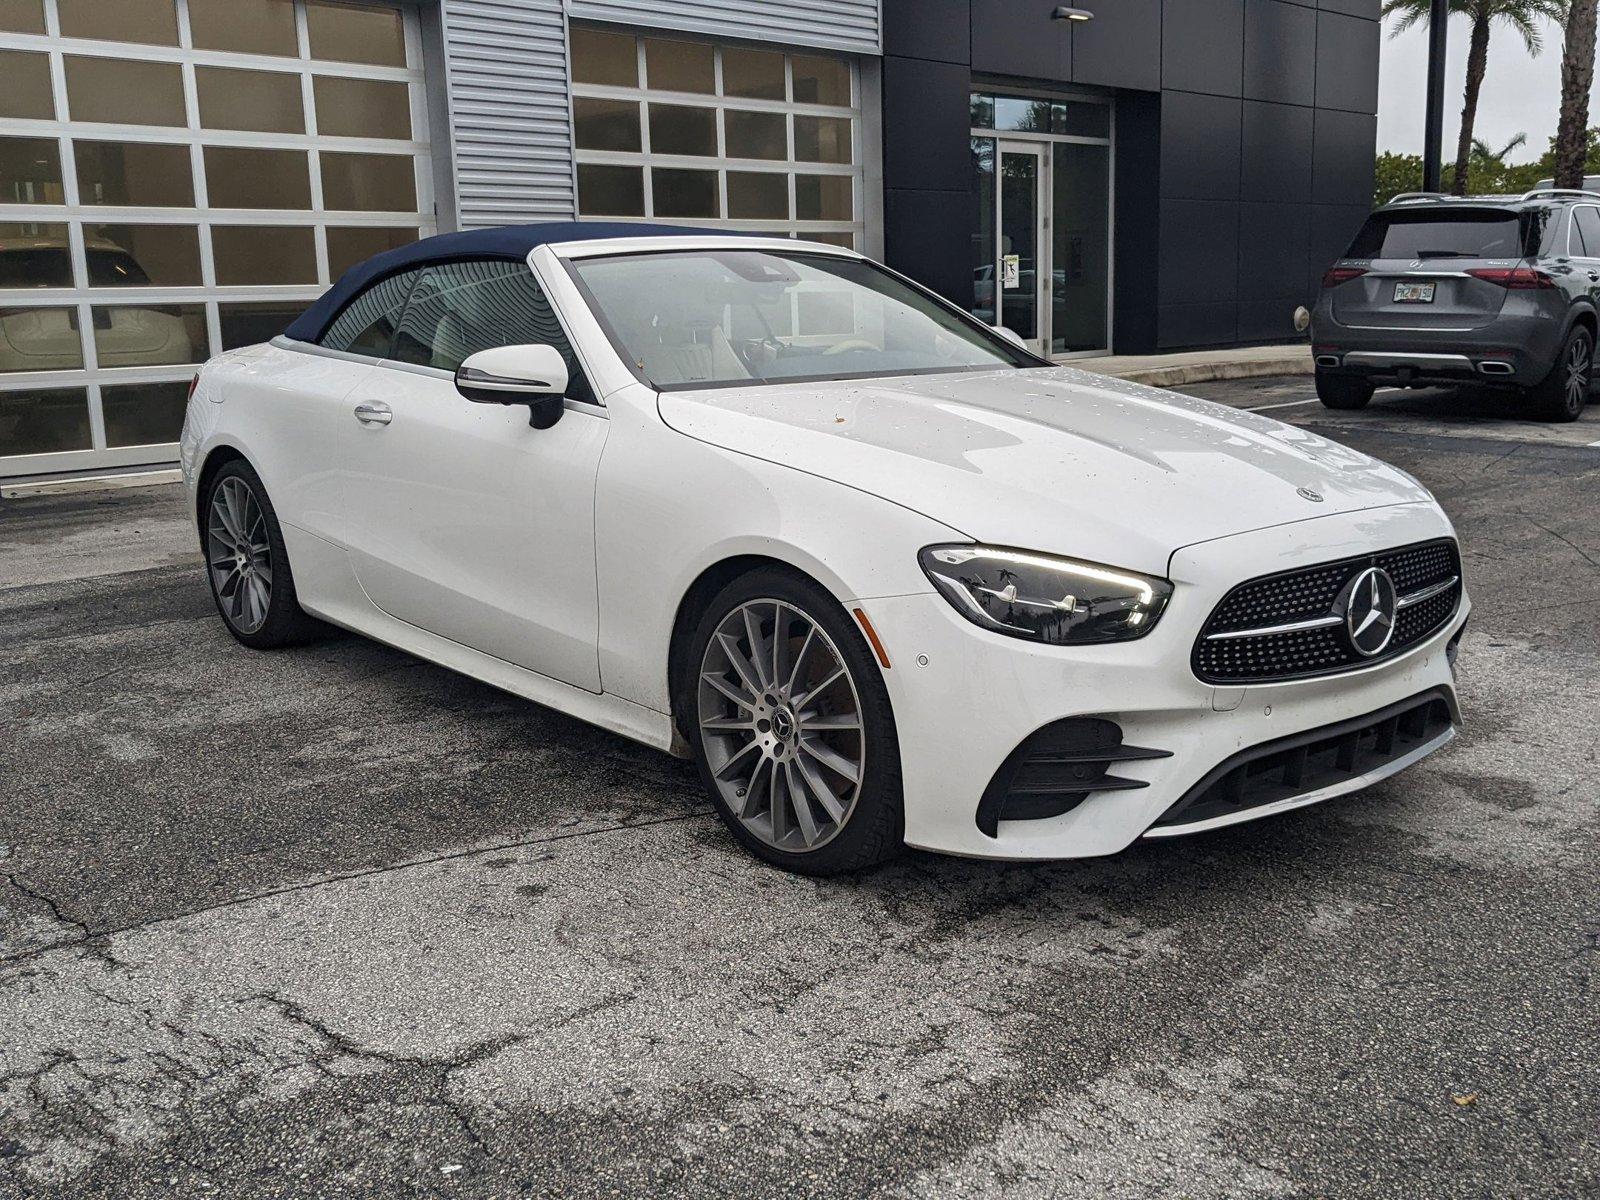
(1229, 651)
(1313, 761)
(1056, 768)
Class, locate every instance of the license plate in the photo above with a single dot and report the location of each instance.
(1413, 293)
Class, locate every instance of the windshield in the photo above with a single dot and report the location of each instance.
(707, 318)
(1486, 234)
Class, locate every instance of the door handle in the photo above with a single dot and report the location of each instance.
(374, 414)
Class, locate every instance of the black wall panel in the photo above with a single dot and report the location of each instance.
(1369, 9)
(1272, 251)
(1276, 151)
(1206, 323)
(1199, 257)
(1200, 147)
(1019, 37)
(934, 29)
(926, 121)
(1202, 46)
(1121, 47)
(1342, 157)
(1347, 66)
(1280, 52)
(928, 236)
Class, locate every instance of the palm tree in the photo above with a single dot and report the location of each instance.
(1522, 15)
(1484, 153)
(1577, 75)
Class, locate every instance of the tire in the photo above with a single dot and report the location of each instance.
(1561, 395)
(790, 729)
(1345, 392)
(250, 580)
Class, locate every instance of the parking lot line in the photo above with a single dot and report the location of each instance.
(1284, 404)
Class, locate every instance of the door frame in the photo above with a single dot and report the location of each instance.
(1003, 146)
(1046, 143)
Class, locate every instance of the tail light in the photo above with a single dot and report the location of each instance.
(194, 383)
(1516, 278)
(1334, 276)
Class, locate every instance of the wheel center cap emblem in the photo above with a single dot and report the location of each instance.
(1370, 612)
(782, 723)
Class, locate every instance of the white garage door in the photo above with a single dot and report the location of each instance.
(177, 178)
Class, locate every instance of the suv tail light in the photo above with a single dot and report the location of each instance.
(194, 383)
(1334, 276)
(1518, 278)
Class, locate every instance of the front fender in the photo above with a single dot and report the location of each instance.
(669, 507)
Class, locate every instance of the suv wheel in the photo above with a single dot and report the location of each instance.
(791, 727)
(1343, 391)
(1564, 392)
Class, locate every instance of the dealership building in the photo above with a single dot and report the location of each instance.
(180, 177)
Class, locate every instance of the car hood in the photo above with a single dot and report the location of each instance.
(1051, 459)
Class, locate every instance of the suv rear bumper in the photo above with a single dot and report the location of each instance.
(1509, 351)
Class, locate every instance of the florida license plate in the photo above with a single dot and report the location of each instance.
(1413, 293)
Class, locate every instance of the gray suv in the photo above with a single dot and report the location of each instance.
(1493, 290)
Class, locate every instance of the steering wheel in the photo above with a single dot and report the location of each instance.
(850, 344)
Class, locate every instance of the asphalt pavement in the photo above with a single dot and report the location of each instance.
(334, 922)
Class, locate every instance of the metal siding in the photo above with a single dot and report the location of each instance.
(510, 129)
(849, 25)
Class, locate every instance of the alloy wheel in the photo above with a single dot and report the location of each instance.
(781, 725)
(1577, 380)
(239, 555)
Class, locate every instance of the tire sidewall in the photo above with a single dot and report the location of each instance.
(285, 622)
(876, 828)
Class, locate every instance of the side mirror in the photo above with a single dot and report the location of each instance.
(531, 375)
(1010, 335)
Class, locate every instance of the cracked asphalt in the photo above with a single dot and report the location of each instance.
(334, 922)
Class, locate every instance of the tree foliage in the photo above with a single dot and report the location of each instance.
(1488, 173)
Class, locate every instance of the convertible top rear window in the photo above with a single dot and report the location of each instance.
(725, 318)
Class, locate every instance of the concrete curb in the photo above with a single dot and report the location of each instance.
(1180, 374)
(90, 483)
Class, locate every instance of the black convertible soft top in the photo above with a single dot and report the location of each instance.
(513, 242)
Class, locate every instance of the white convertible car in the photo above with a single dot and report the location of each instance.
(886, 576)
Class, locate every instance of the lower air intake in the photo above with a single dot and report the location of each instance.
(1312, 761)
(1055, 769)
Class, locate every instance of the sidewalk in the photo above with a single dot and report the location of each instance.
(1202, 366)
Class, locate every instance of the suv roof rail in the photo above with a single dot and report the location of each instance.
(1555, 191)
(1405, 196)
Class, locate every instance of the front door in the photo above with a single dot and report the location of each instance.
(462, 520)
(1021, 274)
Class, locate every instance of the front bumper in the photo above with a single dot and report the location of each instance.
(965, 698)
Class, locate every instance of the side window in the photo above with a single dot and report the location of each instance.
(1588, 221)
(367, 324)
(461, 308)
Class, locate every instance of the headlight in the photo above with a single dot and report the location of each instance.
(1045, 599)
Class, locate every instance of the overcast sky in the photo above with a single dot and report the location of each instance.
(1520, 94)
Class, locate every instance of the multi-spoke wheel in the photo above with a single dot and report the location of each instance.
(1565, 390)
(239, 554)
(792, 726)
(246, 562)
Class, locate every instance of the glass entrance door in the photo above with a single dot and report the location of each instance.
(1020, 270)
(1041, 220)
